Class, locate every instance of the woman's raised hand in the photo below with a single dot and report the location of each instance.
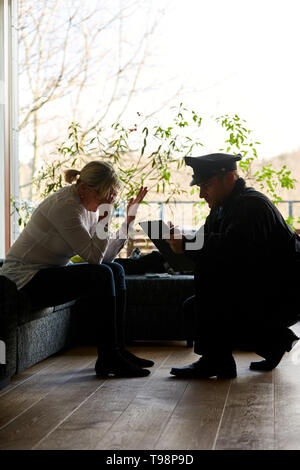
(133, 205)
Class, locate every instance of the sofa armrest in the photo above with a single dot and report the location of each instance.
(9, 307)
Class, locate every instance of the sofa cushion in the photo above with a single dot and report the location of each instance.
(27, 316)
(173, 290)
(154, 307)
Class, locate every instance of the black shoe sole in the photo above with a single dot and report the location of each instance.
(202, 375)
(106, 373)
(272, 362)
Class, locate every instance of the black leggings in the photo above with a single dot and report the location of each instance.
(103, 288)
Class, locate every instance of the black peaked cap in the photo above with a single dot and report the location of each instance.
(207, 166)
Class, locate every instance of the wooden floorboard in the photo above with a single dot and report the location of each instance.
(287, 402)
(19, 418)
(195, 420)
(60, 404)
(124, 413)
(27, 374)
(146, 416)
(248, 418)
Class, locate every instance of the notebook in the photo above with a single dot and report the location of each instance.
(158, 231)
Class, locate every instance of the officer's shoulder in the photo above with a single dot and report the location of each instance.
(253, 199)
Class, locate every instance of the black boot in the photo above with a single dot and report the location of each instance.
(283, 341)
(138, 361)
(120, 323)
(112, 362)
(110, 359)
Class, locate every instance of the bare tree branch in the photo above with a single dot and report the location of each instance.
(61, 50)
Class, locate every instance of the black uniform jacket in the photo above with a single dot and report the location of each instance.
(248, 234)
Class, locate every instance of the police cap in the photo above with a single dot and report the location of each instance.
(207, 166)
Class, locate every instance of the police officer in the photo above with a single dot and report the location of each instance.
(245, 276)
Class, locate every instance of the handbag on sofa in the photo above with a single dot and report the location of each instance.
(154, 262)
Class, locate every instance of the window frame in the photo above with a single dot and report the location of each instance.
(9, 158)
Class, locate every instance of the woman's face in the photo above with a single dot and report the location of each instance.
(90, 197)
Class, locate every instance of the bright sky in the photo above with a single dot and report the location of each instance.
(230, 56)
(243, 57)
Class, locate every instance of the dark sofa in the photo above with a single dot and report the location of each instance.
(154, 312)
(29, 335)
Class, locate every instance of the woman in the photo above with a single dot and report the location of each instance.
(65, 224)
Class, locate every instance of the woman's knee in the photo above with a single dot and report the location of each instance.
(100, 276)
(118, 273)
(116, 268)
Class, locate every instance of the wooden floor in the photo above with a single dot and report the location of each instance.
(60, 404)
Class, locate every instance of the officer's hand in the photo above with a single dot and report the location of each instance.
(176, 239)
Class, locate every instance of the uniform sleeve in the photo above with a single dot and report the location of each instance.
(71, 225)
(248, 229)
(193, 242)
(247, 235)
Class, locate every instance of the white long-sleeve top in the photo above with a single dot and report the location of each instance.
(59, 228)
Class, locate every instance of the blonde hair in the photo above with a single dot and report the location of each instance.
(97, 175)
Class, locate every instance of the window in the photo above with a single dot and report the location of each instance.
(8, 122)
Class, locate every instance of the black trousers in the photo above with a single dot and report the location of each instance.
(102, 287)
(248, 310)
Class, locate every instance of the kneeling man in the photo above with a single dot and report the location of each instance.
(246, 273)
